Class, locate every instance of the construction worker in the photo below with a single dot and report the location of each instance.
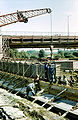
(30, 88)
(46, 71)
(72, 81)
(59, 80)
(51, 73)
(33, 87)
(37, 83)
(65, 80)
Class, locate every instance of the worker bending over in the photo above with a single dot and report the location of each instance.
(33, 87)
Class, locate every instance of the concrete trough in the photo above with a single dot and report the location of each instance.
(60, 106)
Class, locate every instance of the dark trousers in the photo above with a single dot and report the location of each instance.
(37, 87)
(30, 90)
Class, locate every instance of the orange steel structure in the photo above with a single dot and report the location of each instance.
(21, 16)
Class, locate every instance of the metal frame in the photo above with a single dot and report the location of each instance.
(21, 16)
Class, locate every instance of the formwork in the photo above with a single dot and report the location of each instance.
(34, 70)
(58, 70)
(41, 71)
(27, 69)
(21, 67)
(68, 65)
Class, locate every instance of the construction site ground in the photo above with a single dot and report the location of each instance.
(13, 107)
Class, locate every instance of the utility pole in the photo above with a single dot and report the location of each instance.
(68, 24)
(51, 46)
(51, 26)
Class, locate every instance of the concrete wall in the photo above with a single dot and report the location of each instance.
(75, 65)
(24, 69)
(68, 65)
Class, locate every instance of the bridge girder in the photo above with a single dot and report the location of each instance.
(37, 42)
(42, 41)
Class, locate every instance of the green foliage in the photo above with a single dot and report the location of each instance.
(14, 53)
(34, 57)
(11, 53)
(61, 53)
(24, 54)
(68, 54)
(31, 52)
(75, 53)
(57, 56)
(41, 53)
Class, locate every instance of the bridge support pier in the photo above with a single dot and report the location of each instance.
(4, 48)
(1, 54)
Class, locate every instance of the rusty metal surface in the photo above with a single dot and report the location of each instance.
(21, 16)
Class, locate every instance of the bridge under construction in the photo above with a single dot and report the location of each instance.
(54, 100)
(8, 41)
(32, 41)
(41, 41)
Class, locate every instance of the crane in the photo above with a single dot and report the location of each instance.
(21, 16)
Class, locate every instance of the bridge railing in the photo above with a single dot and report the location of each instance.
(29, 33)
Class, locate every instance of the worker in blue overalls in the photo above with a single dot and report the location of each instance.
(46, 70)
(51, 73)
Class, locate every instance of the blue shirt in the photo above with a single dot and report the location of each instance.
(31, 85)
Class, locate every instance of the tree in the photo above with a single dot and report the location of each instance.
(75, 53)
(68, 54)
(31, 52)
(11, 53)
(41, 53)
(61, 53)
(57, 56)
(14, 53)
(24, 54)
(33, 57)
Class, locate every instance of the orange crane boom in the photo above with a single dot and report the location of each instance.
(21, 16)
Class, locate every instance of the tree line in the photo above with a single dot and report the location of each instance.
(66, 54)
(32, 54)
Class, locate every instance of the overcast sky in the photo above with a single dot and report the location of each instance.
(61, 9)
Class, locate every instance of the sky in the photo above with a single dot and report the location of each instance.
(57, 21)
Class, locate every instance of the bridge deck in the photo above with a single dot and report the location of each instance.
(42, 41)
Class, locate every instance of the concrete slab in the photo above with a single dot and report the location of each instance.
(63, 106)
(14, 113)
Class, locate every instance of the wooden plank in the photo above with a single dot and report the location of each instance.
(54, 98)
